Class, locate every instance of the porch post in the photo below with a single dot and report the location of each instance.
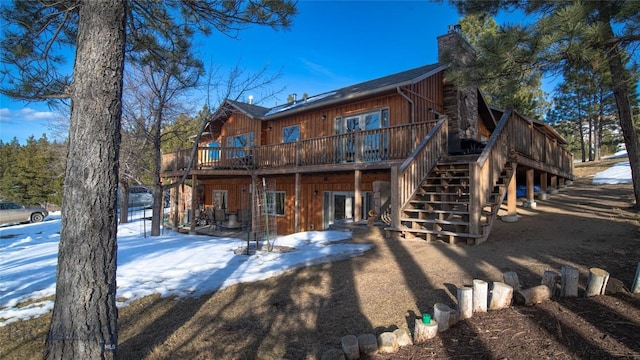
(530, 202)
(175, 207)
(357, 216)
(475, 198)
(512, 201)
(194, 197)
(296, 206)
(543, 181)
(554, 182)
(395, 194)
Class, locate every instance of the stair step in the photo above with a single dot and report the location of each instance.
(437, 221)
(438, 211)
(412, 201)
(447, 178)
(444, 193)
(439, 232)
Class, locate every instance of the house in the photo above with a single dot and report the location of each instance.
(411, 149)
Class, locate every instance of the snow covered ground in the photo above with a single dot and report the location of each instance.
(171, 264)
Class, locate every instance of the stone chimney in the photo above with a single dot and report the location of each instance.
(460, 104)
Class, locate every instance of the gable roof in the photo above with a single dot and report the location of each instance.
(349, 93)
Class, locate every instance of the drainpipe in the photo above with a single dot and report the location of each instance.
(413, 111)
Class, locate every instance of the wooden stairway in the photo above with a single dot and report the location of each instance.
(440, 208)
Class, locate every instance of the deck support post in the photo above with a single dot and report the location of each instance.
(475, 199)
(554, 181)
(543, 181)
(194, 199)
(357, 211)
(175, 201)
(296, 212)
(395, 193)
(530, 202)
(512, 201)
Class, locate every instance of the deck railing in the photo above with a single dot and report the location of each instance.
(512, 134)
(391, 143)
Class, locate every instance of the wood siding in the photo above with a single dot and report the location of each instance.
(312, 188)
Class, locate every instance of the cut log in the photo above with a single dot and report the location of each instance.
(368, 344)
(550, 278)
(350, 347)
(465, 302)
(597, 284)
(635, 288)
(403, 336)
(568, 281)
(511, 279)
(441, 313)
(532, 296)
(388, 343)
(501, 296)
(480, 292)
(423, 332)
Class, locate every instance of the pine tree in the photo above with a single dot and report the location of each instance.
(565, 34)
(84, 320)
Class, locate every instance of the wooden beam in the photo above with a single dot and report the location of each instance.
(543, 181)
(296, 215)
(194, 198)
(395, 193)
(530, 173)
(357, 216)
(512, 201)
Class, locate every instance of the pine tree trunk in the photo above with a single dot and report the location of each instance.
(84, 321)
(621, 93)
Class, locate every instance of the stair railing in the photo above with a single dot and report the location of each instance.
(485, 171)
(406, 179)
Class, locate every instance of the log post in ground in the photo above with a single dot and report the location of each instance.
(511, 279)
(350, 347)
(465, 302)
(480, 291)
(423, 332)
(501, 296)
(550, 278)
(635, 288)
(534, 295)
(597, 284)
(441, 313)
(568, 281)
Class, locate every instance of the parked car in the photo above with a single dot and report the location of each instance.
(11, 212)
(139, 197)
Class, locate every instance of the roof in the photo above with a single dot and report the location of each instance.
(367, 88)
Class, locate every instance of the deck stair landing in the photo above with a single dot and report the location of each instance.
(440, 208)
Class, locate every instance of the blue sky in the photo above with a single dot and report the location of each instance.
(331, 44)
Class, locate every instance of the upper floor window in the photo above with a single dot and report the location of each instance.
(240, 141)
(291, 133)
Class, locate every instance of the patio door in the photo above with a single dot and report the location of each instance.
(373, 142)
(338, 206)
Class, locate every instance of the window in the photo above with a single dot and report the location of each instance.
(240, 141)
(374, 144)
(275, 202)
(219, 199)
(291, 133)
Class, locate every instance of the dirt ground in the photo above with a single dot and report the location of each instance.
(305, 312)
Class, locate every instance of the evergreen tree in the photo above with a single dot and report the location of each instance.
(84, 320)
(566, 34)
(523, 93)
